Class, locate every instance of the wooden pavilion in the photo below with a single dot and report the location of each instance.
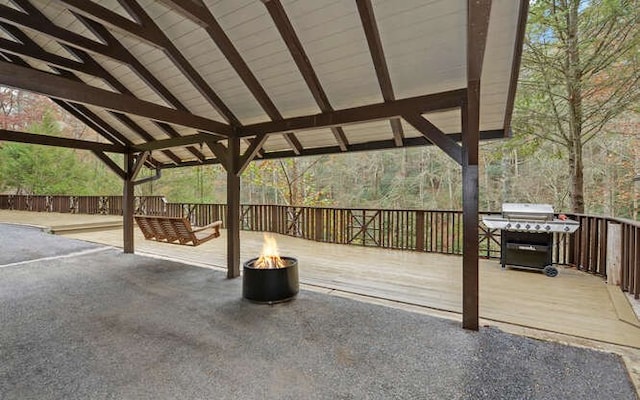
(173, 83)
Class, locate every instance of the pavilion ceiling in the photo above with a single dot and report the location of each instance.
(290, 77)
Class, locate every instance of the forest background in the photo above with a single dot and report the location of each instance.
(575, 144)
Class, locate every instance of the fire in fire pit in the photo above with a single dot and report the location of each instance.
(270, 278)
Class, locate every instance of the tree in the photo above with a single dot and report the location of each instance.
(578, 74)
(43, 170)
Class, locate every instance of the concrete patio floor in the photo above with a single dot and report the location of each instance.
(575, 308)
(82, 320)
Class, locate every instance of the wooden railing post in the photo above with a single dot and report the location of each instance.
(319, 228)
(419, 229)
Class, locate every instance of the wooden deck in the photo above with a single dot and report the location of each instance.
(576, 304)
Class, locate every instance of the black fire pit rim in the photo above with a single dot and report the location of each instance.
(290, 262)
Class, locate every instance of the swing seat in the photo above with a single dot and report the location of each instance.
(176, 230)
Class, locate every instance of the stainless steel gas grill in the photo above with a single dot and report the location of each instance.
(527, 235)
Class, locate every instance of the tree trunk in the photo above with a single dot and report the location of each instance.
(574, 91)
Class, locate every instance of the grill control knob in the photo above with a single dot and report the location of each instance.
(547, 227)
(527, 226)
(537, 227)
(507, 226)
(566, 229)
(517, 226)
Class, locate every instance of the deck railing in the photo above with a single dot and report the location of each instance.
(417, 230)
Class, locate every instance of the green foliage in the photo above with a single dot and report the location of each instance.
(42, 170)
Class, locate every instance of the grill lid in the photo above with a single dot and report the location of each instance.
(527, 211)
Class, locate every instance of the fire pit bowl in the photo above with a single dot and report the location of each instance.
(270, 285)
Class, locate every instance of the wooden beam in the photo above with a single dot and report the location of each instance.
(80, 112)
(219, 36)
(131, 124)
(373, 112)
(179, 141)
(34, 20)
(127, 121)
(66, 89)
(478, 15)
(116, 84)
(128, 205)
(355, 147)
(110, 164)
(435, 136)
(171, 132)
(45, 140)
(233, 208)
(515, 65)
(251, 153)
(149, 31)
(139, 161)
(26, 49)
(221, 152)
(93, 121)
(368, 19)
(288, 34)
(136, 66)
(113, 49)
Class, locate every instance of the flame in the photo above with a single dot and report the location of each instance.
(269, 257)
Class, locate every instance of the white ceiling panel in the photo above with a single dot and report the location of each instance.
(317, 138)
(254, 34)
(369, 132)
(63, 18)
(336, 45)
(424, 44)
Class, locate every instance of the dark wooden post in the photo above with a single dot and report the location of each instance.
(420, 231)
(233, 208)
(470, 286)
(128, 203)
(478, 13)
(319, 228)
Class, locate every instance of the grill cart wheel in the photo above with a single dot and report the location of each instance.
(550, 271)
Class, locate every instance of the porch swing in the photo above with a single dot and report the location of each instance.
(177, 230)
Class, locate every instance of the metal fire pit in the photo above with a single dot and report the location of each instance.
(270, 285)
(527, 235)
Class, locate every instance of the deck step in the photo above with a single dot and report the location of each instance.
(86, 227)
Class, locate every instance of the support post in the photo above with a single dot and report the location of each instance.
(470, 286)
(128, 203)
(233, 208)
(478, 14)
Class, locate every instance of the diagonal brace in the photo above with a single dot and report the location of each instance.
(435, 136)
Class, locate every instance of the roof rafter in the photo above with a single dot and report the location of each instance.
(368, 19)
(137, 67)
(66, 89)
(82, 113)
(35, 21)
(392, 109)
(149, 31)
(28, 49)
(220, 38)
(115, 83)
(299, 55)
(45, 140)
(515, 65)
(131, 124)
